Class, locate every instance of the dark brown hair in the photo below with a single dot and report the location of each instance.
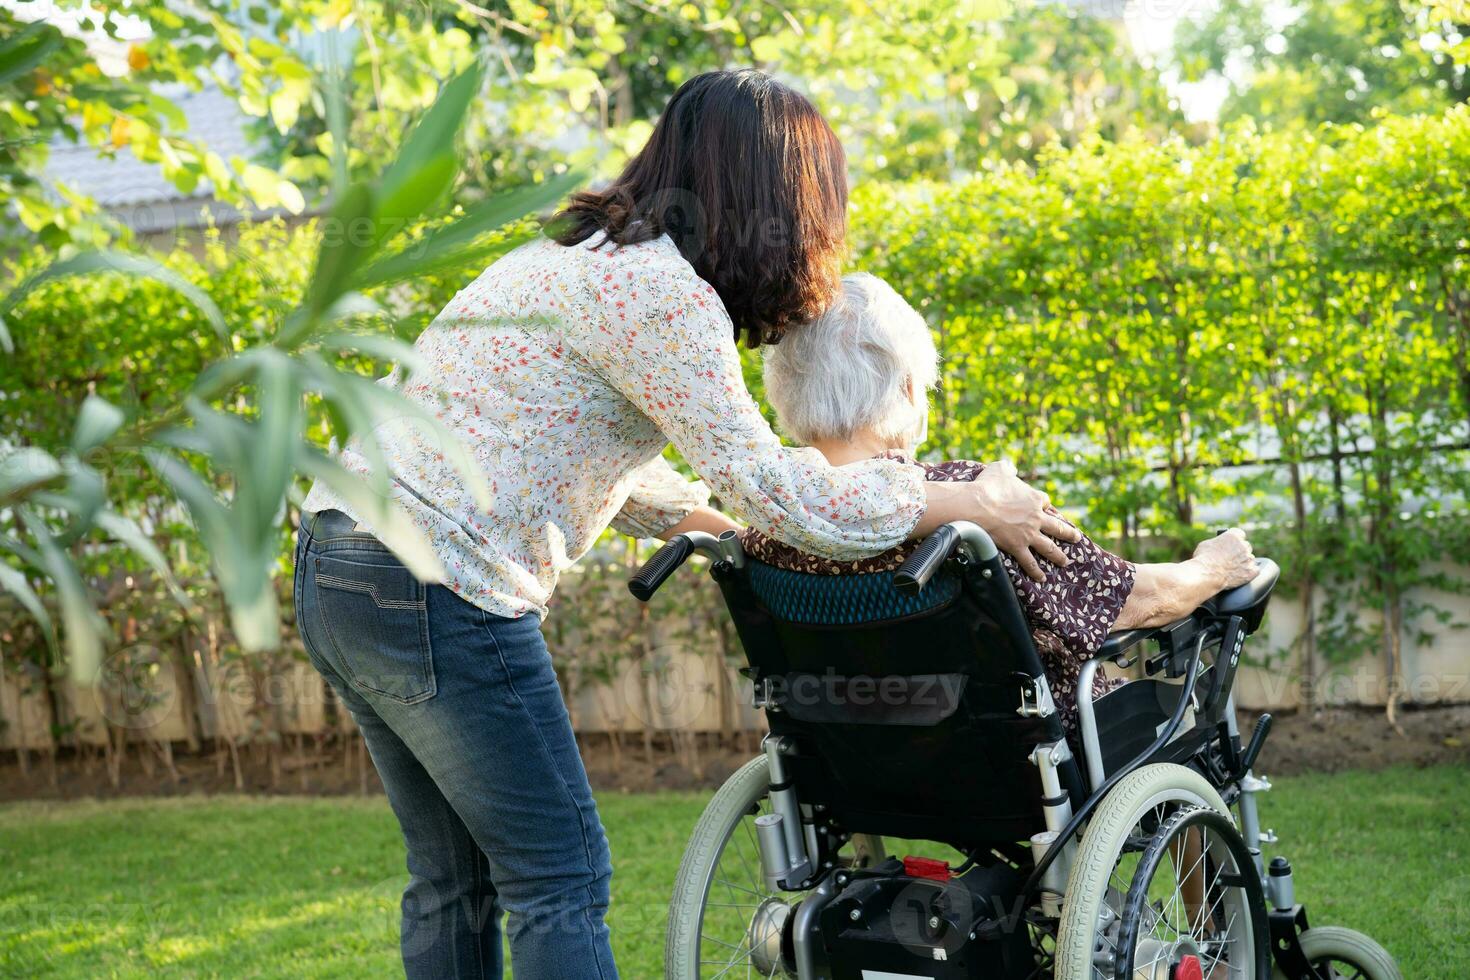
(750, 182)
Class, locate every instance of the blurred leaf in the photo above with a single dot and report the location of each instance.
(279, 429)
(105, 261)
(6, 343)
(86, 493)
(387, 520)
(392, 408)
(334, 85)
(96, 423)
(381, 348)
(242, 566)
(208, 513)
(83, 629)
(15, 583)
(352, 417)
(348, 234)
(224, 376)
(449, 246)
(127, 532)
(27, 48)
(27, 468)
(352, 304)
(415, 194)
(428, 162)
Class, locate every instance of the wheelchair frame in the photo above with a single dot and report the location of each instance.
(793, 858)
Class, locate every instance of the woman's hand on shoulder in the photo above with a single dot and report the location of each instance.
(1018, 517)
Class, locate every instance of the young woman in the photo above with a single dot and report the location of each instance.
(565, 369)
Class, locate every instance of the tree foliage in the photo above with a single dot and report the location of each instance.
(927, 88)
(227, 441)
(1316, 61)
(60, 83)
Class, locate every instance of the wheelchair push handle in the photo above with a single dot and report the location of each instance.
(938, 548)
(928, 558)
(667, 559)
(665, 562)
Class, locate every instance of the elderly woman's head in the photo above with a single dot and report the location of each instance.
(859, 373)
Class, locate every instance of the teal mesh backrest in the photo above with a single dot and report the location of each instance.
(842, 600)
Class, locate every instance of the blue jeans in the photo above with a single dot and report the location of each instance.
(465, 723)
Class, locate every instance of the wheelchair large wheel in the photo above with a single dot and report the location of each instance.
(1107, 861)
(1345, 955)
(1195, 906)
(723, 921)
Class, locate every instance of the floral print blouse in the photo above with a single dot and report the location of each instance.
(565, 371)
(1070, 614)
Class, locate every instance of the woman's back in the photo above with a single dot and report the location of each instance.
(564, 371)
(508, 369)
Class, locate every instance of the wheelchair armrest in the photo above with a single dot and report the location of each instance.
(1118, 643)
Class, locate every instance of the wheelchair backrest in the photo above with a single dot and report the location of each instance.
(911, 716)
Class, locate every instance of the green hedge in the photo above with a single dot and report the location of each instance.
(1139, 323)
(1272, 328)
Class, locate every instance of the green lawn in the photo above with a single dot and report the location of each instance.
(250, 887)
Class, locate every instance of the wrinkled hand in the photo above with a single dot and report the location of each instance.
(1021, 520)
(1228, 557)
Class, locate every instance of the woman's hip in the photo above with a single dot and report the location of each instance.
(401, 642)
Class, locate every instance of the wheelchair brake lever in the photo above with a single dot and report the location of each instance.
(1254, 746)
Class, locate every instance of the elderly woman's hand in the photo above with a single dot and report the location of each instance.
(1228, 558)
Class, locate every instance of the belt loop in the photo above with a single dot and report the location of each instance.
(308, 525)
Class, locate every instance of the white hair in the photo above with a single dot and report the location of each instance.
(868, 363)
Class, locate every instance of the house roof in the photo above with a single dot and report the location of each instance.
(137, 192)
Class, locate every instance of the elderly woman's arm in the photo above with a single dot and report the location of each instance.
(1163, 593)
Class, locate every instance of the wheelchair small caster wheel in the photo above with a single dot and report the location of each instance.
(1345, 953)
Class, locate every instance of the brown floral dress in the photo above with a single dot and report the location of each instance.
(1071, 613)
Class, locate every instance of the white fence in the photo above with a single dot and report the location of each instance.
(673, 688)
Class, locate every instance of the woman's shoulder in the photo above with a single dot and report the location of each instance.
(635, 280)
(652, 282)
(653, 262)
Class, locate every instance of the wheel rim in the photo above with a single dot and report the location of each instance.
(1189, 909)
(740, 914)
(1110, 913)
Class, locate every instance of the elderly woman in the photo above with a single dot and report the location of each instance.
(854, 385)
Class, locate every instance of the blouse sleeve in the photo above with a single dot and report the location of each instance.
(667, 344)
(658, 498)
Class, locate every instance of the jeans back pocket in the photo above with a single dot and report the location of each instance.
(377, 619)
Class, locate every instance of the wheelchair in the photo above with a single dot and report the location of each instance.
(913, 706)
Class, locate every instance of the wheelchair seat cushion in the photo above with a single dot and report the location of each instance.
(847, 600)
